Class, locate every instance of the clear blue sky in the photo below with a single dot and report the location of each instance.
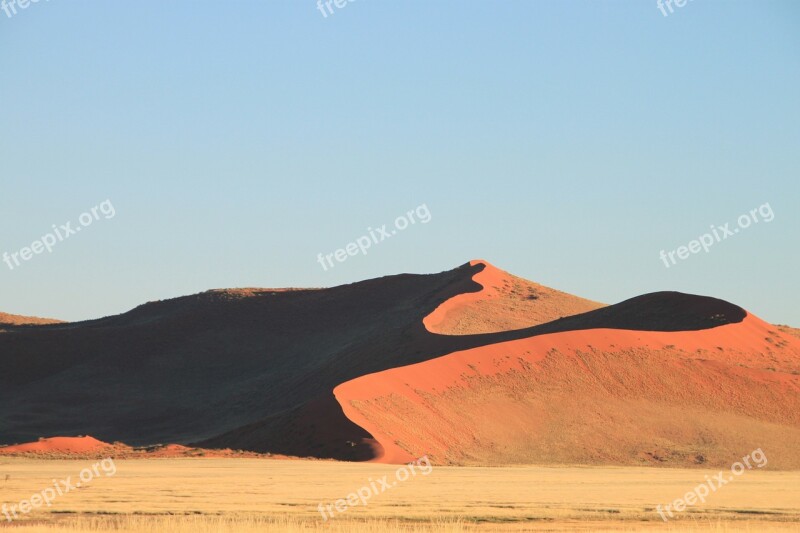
(566, 142)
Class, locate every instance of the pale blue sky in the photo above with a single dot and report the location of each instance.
(566, 142)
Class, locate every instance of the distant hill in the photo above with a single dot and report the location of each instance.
(16, 320)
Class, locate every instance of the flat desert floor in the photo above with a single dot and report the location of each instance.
(202, 495)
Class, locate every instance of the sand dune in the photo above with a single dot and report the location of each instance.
(596, 396)
(469, 366)
(239, 368)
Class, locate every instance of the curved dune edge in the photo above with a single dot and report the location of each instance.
(489, 278)
(386, 452)
(504, 302)
(388, 406)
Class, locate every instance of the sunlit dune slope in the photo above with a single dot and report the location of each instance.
(596, 395)
(504, 302)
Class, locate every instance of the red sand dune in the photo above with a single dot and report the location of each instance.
(592, 396)
(517, 401)
(469, 366)
(60, 445)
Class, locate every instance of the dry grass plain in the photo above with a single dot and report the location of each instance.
(206, 495)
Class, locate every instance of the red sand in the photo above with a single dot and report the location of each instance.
(490, 278)
(61, 445)
(411, 405)
(505, 302)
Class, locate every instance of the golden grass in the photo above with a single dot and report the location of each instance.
(249, 495)
(255, 524)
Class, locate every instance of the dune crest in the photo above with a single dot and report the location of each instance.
(504, 302)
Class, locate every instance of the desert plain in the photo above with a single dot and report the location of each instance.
(249, 495)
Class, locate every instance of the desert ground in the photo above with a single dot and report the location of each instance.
(210, 494)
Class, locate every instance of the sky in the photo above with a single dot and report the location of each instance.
(566, 142)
